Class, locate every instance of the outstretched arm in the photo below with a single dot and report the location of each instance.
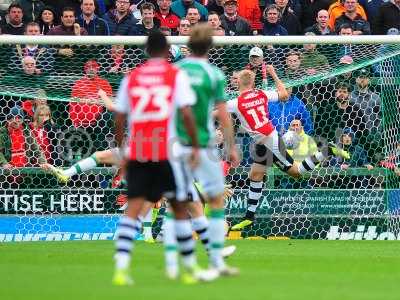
(108, 103)
(280, 87)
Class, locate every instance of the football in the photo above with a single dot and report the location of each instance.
(291, 140)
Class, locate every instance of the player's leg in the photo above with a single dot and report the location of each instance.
(108, 157)
(209, 173)
(146, 216)
(183, 226)
(256, 177)
(130, 225)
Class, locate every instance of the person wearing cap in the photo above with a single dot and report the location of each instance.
(257, 65)
(388, 16)
(18, 147)
(272, 24)
(87, 111)
(232, 22)
(180, 8)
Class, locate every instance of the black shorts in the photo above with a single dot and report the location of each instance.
(262, 155)
(151, 180)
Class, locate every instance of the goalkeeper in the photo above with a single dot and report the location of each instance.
(251, 107)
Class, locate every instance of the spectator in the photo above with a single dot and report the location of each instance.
(288, 19)
(293, 63)
(258, 66)
(184, 27)
(345, 52)
(312, 61)
(272, 25)
(180, 7)
(214, 20)
(149, 22)
(31, 9)
(68, 25)
(83, 113)
(29, 106)
(306, 145)
(88, 20)
(350, 16)
(388, 16)
(18, 148)
(193, 15)
(44, 131)
(166, 16)
(219, 31)
(371, 7)
(283, 112)
(120, 21)
(216, 5)
(358, 155)
(310, 9)
(232, 22)
(337, 9)
(43, 56)
(340, 113)
(14, 25)
(321, 27)
(294, 6)
(47, 19)
(367, 100)
(250, 10)
(118, 62)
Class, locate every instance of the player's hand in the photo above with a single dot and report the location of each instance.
(369, 167)
(228, 191)
(46, 166)
(6, 166)
(194, 158)
(234, 157)
(77, 29)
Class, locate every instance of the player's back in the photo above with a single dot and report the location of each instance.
(252, 109)
(150, 89)
(208, 83)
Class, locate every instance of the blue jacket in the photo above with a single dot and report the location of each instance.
(281, 113)
(273, 29)
(126, 26)
(97, 26)
(180, 10)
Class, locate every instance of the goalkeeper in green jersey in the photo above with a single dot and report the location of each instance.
(208, 83)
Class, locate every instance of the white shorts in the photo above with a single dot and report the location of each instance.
(208, 173)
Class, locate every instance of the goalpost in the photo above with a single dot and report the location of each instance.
(338, 200)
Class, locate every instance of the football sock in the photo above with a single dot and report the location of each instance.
(127, 230)
(147, 225)
(311, 162)
(169, 239)
(82, 166)
(200, 225)
(255, 192)
(183, 229)
(217, 237)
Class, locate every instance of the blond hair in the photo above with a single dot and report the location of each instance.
(246, 79)
(39, 109)
(200, 40)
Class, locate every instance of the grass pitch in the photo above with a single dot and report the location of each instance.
(270, 270)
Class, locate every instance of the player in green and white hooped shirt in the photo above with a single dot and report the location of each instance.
(208, 83)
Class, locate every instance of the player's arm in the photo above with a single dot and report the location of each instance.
(280, 87)
(121, 110)
(108, 103)
(224, 118)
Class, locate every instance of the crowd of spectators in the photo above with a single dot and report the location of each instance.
(349, 105)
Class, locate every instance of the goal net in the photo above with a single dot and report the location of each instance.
(343, 89)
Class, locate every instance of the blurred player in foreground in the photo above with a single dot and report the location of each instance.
(251, 107)
(208, 83)
(149, 98)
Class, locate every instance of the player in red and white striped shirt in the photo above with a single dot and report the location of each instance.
(251, 107)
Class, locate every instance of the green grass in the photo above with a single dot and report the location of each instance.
(270, 270)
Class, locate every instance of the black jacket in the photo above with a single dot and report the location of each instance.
(388, 17)
(290, 22)
(358, 24)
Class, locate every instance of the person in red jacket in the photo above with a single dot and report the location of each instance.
(85, 110)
